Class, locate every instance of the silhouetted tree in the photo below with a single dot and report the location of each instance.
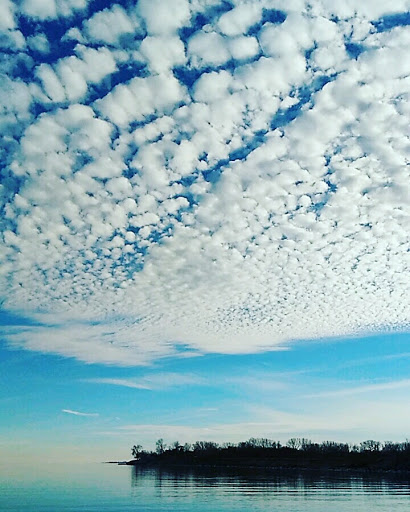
(370, 446)
(332, 447)
(262, 442)
(294, 443)
(160, 446)
(136, 451)
(306, 444)
(389, 446)
(202, 446)
(176, 446)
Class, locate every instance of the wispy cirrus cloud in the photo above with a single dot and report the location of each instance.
(368, 388)
(153, 382)
(374, 360)
(127, 383)
(77, 413)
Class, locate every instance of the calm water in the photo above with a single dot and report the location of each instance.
(121, 488)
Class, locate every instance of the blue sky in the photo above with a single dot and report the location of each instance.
(204, 222)
(334, 389)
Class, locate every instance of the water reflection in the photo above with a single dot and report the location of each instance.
(284, 490)
(181, 477)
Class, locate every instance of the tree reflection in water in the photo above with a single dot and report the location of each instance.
(185, 482)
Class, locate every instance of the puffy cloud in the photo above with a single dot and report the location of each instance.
(273, 76)
(48, 9)
(39, 43)
(288, 39)
(163, 53)
(368, 9)
(141, 97)
(243, 47)
(164, 17)
(15, 100)
(40, 8)
(69, 131)
(109, 25)
(10, 38)
(212, 86)
(50, 82)
(68, 79)
(238, 20)
(208, 49)
(7, 9)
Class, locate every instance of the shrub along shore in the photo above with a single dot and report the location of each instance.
(297, 453)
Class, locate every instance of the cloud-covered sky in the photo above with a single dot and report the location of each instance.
(188, 178)
(203, 176)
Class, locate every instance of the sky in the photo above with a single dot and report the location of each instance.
(204, 223)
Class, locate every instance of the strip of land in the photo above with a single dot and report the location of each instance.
(298, 453)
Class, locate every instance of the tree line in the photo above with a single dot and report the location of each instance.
(296, 452)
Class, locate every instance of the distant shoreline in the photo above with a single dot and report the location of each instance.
(264, 454)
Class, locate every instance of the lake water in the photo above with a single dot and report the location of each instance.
(109, 488)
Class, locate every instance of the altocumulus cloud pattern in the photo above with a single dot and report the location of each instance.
(207, 176)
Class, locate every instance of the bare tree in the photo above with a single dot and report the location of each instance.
(295, 443)
(176, 446)
(160, 446)
(187, 447)
(201, 446)
(370, 446)
(136, 451)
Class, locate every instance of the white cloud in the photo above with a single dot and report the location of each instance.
(109, 25)
(7, 9)
(39, 43)
(238, 20)
(15, 101)
(163, 53)
(158, 381)
(287, 39)
(163, 17)
(40, 8)
(369, 388)
(76, 413)
(243, 47)
(48, 9)
(368, 9)
(212, 86)
(68, 79)
(127, 383)
(50, 82)
(207, 49)
(141, 97)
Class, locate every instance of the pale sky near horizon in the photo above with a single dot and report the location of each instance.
(204, 222)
